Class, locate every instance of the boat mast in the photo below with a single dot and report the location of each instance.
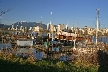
(97, 23)
(75, 35)
(52, 27)
(75, 39)
(67, 25)
(40, 27)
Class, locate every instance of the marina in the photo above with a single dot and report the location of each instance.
(58, 44)
(53, 49)
(53, 36)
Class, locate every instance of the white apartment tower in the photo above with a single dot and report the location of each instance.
(12, 27)
(48, 26)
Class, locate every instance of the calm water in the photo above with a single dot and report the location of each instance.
(37, 54)
(40, 55)
(101, 39)
(5, 45)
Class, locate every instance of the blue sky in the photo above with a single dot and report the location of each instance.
(81, 12)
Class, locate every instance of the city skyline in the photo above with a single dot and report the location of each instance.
(78, 12)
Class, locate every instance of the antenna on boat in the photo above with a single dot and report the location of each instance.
(67, 25)
(73, 26)
(40, 26)
(75, 40)
(52, 26)
(51, 19)
(75, 35)
(41, 23)
(77, 27)
(97, 23)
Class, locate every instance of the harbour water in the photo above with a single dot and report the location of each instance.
(24, 52)
(101, 39)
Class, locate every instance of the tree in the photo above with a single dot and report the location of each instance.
(1, 13)
(4, 11)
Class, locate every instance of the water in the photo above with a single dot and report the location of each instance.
(101, 39)
(37, 54)
(56, 49)
(26, 51)
(5, 45)
(63, 58)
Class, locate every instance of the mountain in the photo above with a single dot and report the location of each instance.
(1, 25)
(29, 24)
(25, 24)
(4, 26)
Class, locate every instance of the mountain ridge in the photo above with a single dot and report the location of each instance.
(25, 24)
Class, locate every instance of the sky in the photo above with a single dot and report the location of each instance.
(78, 12)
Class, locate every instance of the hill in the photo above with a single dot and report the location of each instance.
(25, 24)
(29, 24)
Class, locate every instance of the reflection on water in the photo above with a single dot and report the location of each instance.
(63, 57)
(101, 39)
(25, 52)
(55, 49)
(5, 45)
(39, 55)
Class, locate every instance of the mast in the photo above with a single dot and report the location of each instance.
(52, 27)
(75, 39)
(41, 23)
(75, 35)
(67, 25)
(40, 27)
(77, 28)
(73, 26)
(97, 23)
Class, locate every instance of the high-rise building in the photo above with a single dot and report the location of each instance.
(48, 26)
(12, 27)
